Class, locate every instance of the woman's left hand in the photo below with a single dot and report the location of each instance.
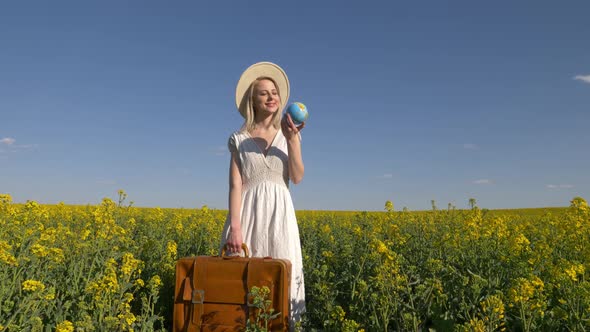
(289, 128)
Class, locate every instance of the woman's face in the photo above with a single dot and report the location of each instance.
(266, 97)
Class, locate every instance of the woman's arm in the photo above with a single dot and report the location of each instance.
(234, 241)
(291, 132)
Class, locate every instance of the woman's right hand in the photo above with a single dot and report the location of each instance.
(289, 128)
(234, 241)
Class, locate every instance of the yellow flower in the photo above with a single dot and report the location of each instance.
(39, 250)
(84, 235)
(108, 284)
(50, 295)
(5, 207)
(178, 226)
(139, 283)
(528, 295)
(48, 235)
(5, 199)
(31, 205)
(574, 271)
(171, 248)
(121, 193)
(493, 308)
(579, 203)
(128, 297)
(358, 231)
(128, 318)
(521, 242)
(56, 255)
(33, 285)
(381, 247)
(155, 282)
(130, 264)
(111, 264)
(65, 326)
(338, 314)
(476, 325)
(571, 272)
(5, 256)
(538, 283)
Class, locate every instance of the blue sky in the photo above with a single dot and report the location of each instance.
(408, 101)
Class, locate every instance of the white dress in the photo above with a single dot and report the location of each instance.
(269, 225)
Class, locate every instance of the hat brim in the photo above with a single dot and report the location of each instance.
(261, 69)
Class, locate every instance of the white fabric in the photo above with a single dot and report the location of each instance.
(269, 225)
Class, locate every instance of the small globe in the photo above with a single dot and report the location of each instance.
(298, 113)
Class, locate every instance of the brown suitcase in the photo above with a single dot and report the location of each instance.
(212, 292)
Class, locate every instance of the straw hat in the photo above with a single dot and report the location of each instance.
(260, 69)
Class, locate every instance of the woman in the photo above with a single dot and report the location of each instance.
(265, 155)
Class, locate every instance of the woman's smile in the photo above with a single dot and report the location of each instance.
(266, 97)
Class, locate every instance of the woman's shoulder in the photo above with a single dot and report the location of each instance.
(239, 134)
(235, 139)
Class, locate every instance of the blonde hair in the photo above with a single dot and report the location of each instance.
(249, 123)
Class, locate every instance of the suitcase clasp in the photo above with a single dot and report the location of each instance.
(198, 296)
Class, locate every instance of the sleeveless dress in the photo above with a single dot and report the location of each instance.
(269, 225)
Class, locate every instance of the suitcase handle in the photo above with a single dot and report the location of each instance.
(244, 247)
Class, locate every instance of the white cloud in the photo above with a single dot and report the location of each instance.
(559, 186)
(7, 141)
(583, 78)
(470, 146)
(483, 181)
(387, 176)
(219, 151)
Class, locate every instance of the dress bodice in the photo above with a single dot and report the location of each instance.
(255, 167)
